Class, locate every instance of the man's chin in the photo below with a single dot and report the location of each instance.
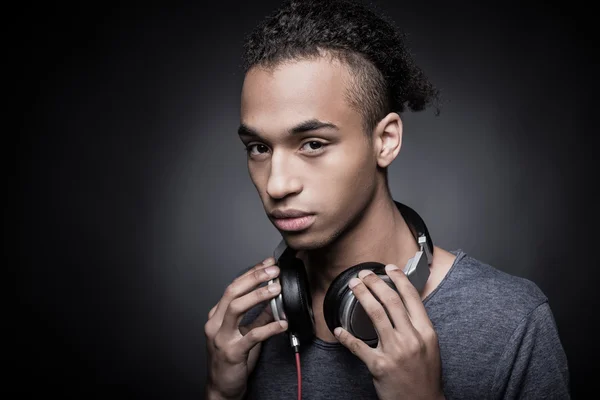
(302, 242)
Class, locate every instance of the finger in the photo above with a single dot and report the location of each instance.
(260, 334)
(265, 263)
(238, 307)
(410, 296)
(265, 317)
(356, 346)
(244, 284)
(391, 300)
(373, 308)
(212, 311)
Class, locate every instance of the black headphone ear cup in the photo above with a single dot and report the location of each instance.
(338, 289)
(296, 297)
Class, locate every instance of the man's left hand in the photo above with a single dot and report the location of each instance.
(406, 362)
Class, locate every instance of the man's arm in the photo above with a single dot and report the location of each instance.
(534, 364)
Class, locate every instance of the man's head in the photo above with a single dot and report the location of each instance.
(325, 81)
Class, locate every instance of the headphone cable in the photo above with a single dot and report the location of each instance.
(296, 344)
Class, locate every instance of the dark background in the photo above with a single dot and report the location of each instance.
(130, 208)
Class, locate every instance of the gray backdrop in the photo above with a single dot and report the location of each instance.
(132, 207)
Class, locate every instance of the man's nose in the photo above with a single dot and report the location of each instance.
(283, 178)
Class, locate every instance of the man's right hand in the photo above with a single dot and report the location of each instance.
(233, 350)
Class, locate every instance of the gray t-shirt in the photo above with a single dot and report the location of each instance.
(497, 336)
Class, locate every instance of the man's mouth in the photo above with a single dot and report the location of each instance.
(294, 224)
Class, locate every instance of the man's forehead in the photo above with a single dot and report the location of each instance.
(278, 99)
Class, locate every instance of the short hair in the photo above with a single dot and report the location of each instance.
(385, 77)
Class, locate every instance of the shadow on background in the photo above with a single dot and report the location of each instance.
(131, 208)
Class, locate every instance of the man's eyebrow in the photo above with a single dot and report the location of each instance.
(311, 125)
(306, 126)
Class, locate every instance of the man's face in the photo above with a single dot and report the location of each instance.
(329, 171)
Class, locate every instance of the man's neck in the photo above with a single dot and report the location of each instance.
(382, 235)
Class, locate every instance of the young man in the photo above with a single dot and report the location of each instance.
(325, 83)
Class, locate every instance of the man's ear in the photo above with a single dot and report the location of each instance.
(387, 139)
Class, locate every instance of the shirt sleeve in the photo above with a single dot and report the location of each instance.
(534, 364)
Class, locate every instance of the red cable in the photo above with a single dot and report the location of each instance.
(299, 376)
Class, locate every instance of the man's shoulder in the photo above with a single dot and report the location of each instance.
(483, 289)
(498, 328)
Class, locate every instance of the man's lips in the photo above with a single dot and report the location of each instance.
(292, 219)
(289, 213)
(294, 224)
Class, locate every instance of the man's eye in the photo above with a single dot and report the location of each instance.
(260, 149)
(313, 146)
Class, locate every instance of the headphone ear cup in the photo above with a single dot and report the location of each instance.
(296, 297)
(338, 290)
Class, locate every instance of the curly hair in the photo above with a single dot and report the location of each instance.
(385, 77)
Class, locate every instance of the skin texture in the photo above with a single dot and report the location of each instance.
(337, 175)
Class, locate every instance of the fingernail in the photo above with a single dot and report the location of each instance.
(271, 270)
(364, 273)
(390, 267)
(273, 287)
(353, 282)
(269, 261)
(283, 324)
(337, 331)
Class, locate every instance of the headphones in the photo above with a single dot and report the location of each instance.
(340, 306)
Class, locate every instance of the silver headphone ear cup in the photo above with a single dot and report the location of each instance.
(360, 325)
(338, 294)
(355, 319)
(276, 304)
